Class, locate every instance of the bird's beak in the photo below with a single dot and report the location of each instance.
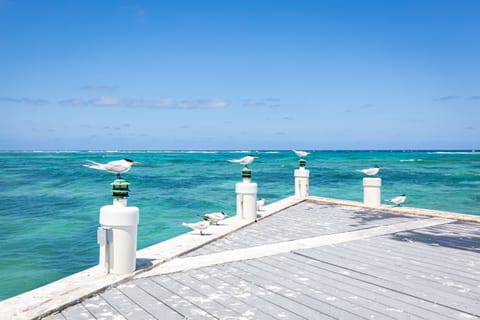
(135, 162)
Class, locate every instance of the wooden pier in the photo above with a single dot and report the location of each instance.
(314, 259)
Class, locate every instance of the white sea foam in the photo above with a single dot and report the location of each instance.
(456, 152)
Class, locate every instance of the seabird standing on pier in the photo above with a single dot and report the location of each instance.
(199, 226)
(260, 203)
(301, 154)
(371, 171)
(398, 200)
(245, 160)
(118, 166)
(213, 217)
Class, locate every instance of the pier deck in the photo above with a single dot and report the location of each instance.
(310, 260)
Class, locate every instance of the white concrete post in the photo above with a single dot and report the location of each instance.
(372, 191)
(246, 197)
(118, 256)
(301, 180)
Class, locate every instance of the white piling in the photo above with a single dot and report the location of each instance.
(372, 191)
(118, 233)
(302, 176)
(246, 196)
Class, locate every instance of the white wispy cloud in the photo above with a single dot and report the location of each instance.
(90, 87)
(447, 98)
(268, 102)
(24, 100)
(113, 101)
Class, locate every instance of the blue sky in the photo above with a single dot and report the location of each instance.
(139, 75)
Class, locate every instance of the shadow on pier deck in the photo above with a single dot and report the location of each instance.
(311, 260)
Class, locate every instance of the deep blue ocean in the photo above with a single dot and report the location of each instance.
(49, 202)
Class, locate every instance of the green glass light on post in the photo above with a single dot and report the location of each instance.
(302, 162)
(120, 188)
(246, 173)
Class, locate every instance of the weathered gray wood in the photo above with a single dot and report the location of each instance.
(203, 284)
(321, 290)
(361, 272)
(285, 282)
(340, 284)
(56, 316)
(252, 294)
(398, 272)
(101, 310)
(457, 258)
(299, 222)
(207, 303)
(250, 307)
(77, 312)
(152, 307)
(172, 300)
(461, 271)
(367, 308)
(124, 305)
(297, 306)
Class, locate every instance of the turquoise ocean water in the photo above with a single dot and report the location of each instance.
(49, 202)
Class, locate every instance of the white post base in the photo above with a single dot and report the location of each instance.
(120, 254)
(246, 200)
(301, 182)
(372, 191)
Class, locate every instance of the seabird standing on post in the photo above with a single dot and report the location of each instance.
(371, 171)
(245, 160)
(118, 166)
(301, 154)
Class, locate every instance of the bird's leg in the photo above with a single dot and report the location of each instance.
(119, 176)
(201, 233)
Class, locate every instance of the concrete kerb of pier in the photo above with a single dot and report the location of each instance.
(58, 295)
(399, 210)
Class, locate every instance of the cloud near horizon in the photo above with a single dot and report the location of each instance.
(269, 102)
(447, 98)
(129, 102)
(146, 103)
(24, 100)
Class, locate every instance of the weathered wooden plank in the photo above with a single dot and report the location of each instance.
(389, 281)
(289, 297)
(171, 299)
(124, 305)
(314, 297)
(457, 258)
(253, 295)
(340, 284)
(77, 312)
(419, 263)
(223, 299)
(462, 271)
(208, 303)
(234, 297)
(365, 307)
(152, 306)
(101, 310)
(56, 316)
(302, 223)
(400, 271)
